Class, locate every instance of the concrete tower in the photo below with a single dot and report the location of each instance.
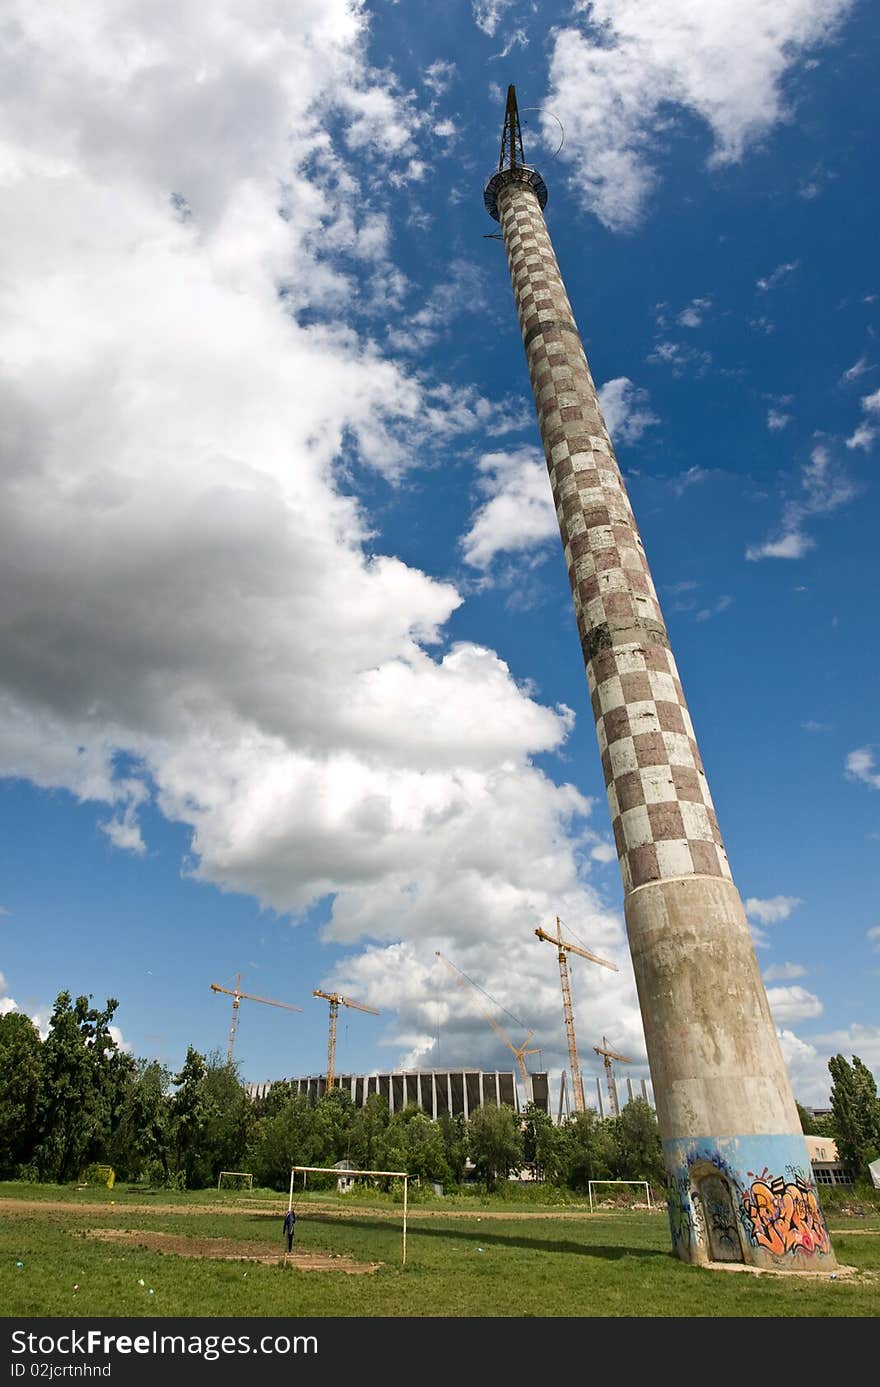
(740, 1182)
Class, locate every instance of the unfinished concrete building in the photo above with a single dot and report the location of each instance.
(456, 1092)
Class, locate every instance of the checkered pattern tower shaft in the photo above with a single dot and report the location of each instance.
(661, 811)
(724, 1101)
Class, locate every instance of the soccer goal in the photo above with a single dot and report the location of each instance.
(304, 1170)
(643, 1183)
(236, 1179)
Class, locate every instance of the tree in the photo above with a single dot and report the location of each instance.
(541, 1143)
(454, 1135)
(227, 1120)
(189, 1114)
(292, 1135)
(413, 1143)
(273, 1101)
(211, 1119)
(83, 1076)
(805, 1117)
(495, 1142)
(141, 1144)
(367, 1127)
(425, 1157)
(334, 1112)
(639, 1153)
(856, 1114)
(813, 1125)
(586, 1149)
(21, 1087)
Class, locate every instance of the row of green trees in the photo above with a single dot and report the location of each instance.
(496, 1141)
(76, 1099)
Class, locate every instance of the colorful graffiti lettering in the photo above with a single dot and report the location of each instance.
(678, 1204)
(784, 1216)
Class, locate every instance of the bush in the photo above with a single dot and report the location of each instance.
(861, 1199)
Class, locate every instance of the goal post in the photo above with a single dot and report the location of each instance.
(231, 1175)
(336, 1170)
(644, 1184)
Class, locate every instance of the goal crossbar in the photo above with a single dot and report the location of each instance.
(242, 1175)
(335, 1170)
(643, 1183)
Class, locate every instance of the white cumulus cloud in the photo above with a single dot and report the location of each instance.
(807, 1068)
(783, 972)
(517, 512)
(861, 765)
(625, 409)
(857, 1039)
(769, 912)
(190, 589)
(793, 1003)
(615, 79)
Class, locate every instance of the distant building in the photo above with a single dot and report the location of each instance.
(826, 1166)
(345, 1183)
(436, 1091)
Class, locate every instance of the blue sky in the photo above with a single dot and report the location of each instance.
(290, 683)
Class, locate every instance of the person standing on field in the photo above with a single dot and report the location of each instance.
(289, 1227)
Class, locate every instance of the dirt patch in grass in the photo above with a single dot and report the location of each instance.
(228, 1250)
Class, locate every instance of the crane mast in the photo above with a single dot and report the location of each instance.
(608, 1056)
(233, 1025)
(577, 1082)
(331, 1042)
(334, 998)
(564, 947)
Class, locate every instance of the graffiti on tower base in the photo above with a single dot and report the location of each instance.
(784, 1216)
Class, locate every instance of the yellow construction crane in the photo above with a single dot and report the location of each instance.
(236, 994)
(610, 1055)
(518, 1052)
(335, 998)
(565, 947)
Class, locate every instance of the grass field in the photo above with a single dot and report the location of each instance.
(82, 1253)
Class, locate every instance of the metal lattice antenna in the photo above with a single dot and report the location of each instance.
(512, 164)
(511, 135)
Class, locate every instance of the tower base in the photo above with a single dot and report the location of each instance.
(745, 1200)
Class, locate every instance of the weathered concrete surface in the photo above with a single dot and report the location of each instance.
(716, 1064)
(740, 1181)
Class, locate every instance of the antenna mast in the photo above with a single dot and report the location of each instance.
(511, 135)
(512, 166)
